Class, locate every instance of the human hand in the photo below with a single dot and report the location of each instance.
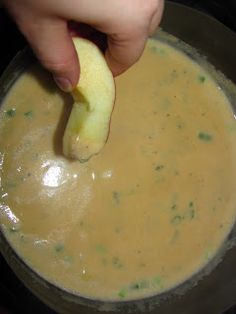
(127, 24)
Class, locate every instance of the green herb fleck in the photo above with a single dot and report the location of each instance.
(175, 236)
(122, 293)
(116, 262)
(174, 206)
(59, 247)
(14, 229)
(28, 114)
(68, 259)
(158, 281)
(10, 113)
(35, 156)
(176, 220)
(143, 284)
(22, 238)
(165, 103)
(179, 125)
(207, 255)
(174, 73)
(100, 248)
(205, 136)
(10, 185)
(190, 214)
(116, 196)
(231, 127)
(159, 167)
(201, 78)
(162, 52)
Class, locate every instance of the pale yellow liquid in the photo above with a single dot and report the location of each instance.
(147, 212)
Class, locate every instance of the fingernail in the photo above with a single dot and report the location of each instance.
(63, 83)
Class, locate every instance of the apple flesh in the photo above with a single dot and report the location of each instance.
(88, 125)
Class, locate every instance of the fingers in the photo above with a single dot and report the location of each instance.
(124, 52)
(127, 42)
(127, 24)
(53, 46)
(156, 17)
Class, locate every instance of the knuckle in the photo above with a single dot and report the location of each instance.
(54, 64)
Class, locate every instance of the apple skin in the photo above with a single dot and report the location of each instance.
(89, 122)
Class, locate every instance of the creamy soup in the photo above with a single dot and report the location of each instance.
(146, 213)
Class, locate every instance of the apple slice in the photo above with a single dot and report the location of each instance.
(88, 125)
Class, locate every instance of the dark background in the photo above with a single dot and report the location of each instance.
(14, 297)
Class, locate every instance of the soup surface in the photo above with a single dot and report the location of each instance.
(146, 213)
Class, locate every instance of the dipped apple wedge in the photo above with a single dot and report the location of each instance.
(88, 125)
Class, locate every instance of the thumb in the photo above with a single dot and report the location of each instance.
(51, 41)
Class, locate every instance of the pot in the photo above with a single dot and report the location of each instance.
(213, 289)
